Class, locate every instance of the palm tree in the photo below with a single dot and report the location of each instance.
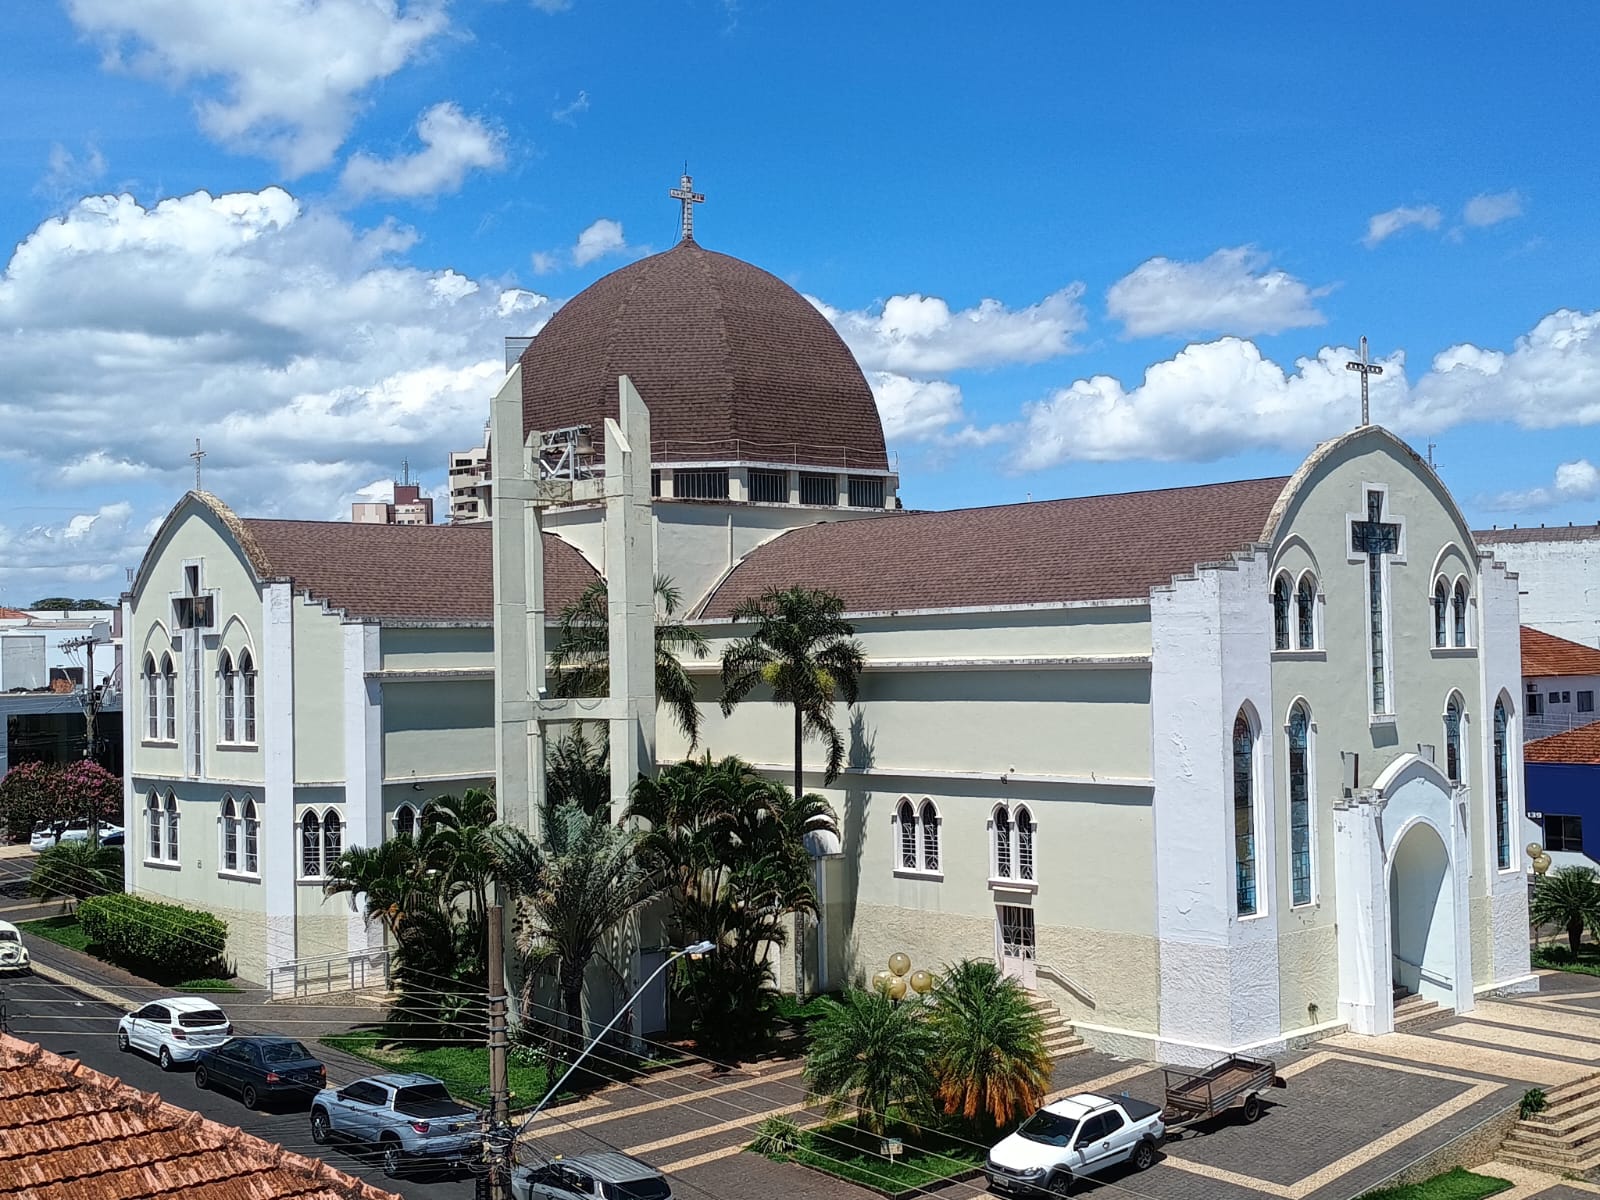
(457, 842)
(391, 878)
(76, 870)
(573, 889)
(577, 771)
(872, 1053)
(582, 657)
(991, 1057)
(1570, 898)
(806, 652)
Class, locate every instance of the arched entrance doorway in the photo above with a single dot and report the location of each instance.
(1422, 915)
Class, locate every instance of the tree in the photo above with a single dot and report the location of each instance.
(68, 604)
(1570, 899)
(76, 870)
(873, 1053)
(576, 771)
(805, 651)
(35, 792)
(582, 657)
(573, 887)
(457, 842)
(991, 1057)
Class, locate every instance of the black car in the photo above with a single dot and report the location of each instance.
(260, 1068)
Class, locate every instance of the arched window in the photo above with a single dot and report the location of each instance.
(1502, 787)
(227, 695)
(1300, 804)
(1002, 843)
(252, 838)
(169, 699)
(310, 846)
(172, 828)
(405, 821)
(230, 834)
(1441, 605)
(332, 840)
(930, 836)
(152, 810)
(1024, 823)
(1244, 816)
(908, 836)
(1305, 611)
(247, 695)
(1280, 613)
(152, 699)
(1452, 740)
(1458, 612)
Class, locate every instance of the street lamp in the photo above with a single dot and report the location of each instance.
(698, 950)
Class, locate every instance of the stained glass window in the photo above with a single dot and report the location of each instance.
(1458, 610)
(310, 846)
(1299, 805)
(1244, 816)
(1452, 741)
(930, 837)
(1002, 844)
(908, 836)
(1502, 789)
(1305, 603)
(1280, 613)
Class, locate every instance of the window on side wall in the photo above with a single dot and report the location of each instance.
(1563, 833)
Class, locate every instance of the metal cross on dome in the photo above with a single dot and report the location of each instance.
(1367, 370)
(685, 192)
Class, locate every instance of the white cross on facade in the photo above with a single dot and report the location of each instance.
(1366, 368)
(685, 193)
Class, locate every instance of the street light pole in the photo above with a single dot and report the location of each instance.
(695, 951)
(499, 1088)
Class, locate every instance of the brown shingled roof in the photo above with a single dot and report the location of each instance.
(404, 572)
(1089, 548)
(1544, 654)
(1580, 747)
(1555, 533)
(733, 363)
(71, 1133)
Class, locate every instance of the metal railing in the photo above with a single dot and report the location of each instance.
(1068, 982)
(1547, 725)
(325, 973)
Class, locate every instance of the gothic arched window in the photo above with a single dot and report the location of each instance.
(172, 828)
(1458, 612)
(152, 699)
(908, 836)
(247, 695)
(153, 822)
(310, 846)
(230, 834)
(1305, 611)
(1441, 607)
(1452, 740)
(1024, 823)
(252, 839)
(405, 821)
(1002, 843)
(1244, 816)
(332, 840)
(1502, 787)
(169, 699)
(1280, 613)
(930, 836)
(227, 693)
(1300, 805)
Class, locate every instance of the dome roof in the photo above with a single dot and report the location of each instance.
(732, 362)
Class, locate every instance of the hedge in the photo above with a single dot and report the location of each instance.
(155, 939)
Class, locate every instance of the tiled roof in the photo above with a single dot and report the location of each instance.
(733, 363)
(13, 614)
(1089, 548)
(1554, 533)
(1544, 654)
(71, 1133)
(1580, 746)
(402, 572)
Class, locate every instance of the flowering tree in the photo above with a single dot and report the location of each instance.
(34, 792)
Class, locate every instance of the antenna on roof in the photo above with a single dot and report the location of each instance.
(405, 471)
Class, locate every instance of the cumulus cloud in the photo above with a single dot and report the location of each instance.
(88, 550)
(1219, 398)
(1385, 225)
(914, 409)
(294, 343)
(1492, 208)
(600, 239)
(452, 144)
(567, 114)
(282, 78)
(920, 335)
(1232, 290)
(1576, 480)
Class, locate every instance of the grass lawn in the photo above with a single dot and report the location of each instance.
(1559, 958)
(1459, 1184)
(65, 931)
(845, 1152)
(464, 1069)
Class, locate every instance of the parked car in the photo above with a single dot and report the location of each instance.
(13, 954)
(608, 1175)
(260, 1068)
(174, 1030)
(409, 1119)
(1081, 1135)
(47, 834)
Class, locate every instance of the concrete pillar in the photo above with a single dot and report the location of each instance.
(280, 852)
(363, 765)
(1366, 997)
(630, 588)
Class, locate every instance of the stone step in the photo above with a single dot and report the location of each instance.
(1577, 1119)
(1549, 1149)
(1589, 1085)
(1584, 1140)
(1414, 1008)
(1537, 1162)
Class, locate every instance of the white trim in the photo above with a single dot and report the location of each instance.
(1043, 662)
(240, 876)
(363, 818)
(419, 674)
(1299, 656)
(277, 834)
(875, 772)
(960, 610)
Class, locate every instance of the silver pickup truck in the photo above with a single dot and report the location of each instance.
(409, 1119)
(1081, 1135)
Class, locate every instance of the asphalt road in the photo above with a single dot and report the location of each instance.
(64, 1021)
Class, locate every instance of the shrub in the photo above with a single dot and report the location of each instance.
(1533, 1101)
(777, 1137)
(76, 871)
(155, 939)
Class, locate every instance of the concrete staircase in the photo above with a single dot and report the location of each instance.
(1410, 1007)
(1563, 1139)
(1059, 1038)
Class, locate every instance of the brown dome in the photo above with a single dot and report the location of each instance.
(732, 362)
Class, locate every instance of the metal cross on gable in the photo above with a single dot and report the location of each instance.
(1367, 369)
(685, 193)
(197, 455)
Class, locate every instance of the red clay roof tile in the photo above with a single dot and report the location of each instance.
(1580, 746)
(1544, 654)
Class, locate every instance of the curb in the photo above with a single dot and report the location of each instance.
(93, 991)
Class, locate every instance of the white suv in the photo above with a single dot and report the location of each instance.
(174, 1030)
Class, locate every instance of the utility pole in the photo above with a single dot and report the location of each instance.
(91, 693)
(501, 1158)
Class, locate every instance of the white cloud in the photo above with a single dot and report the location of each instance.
(307, 358)
(1232, 291)
(600, 239)
(543, 263)
(567, 114)
(920, 335)
(1576, 480)
(67, 172)
(913, 409)
(281, 78)
(1492, 208)
(1387, 224)
(453, 144)
(87, 550)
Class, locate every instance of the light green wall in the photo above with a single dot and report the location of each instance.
(318, 694)
(438, 728)
(437, 648)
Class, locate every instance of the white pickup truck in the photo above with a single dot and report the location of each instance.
(1081, 1135)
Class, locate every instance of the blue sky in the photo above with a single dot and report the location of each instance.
(1076, 248)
